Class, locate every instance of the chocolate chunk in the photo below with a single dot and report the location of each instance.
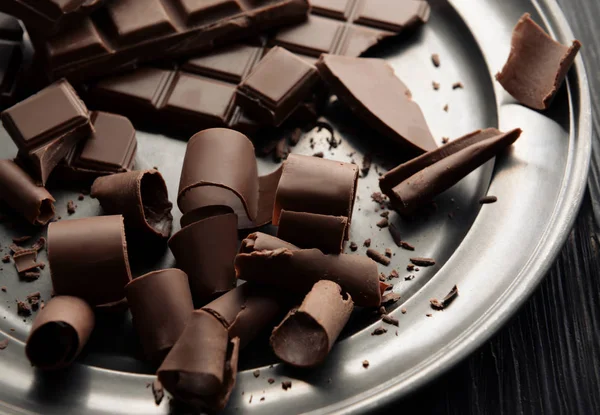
(379, 331)
(365, 363)
(286, 384)
(161, 304)
(367, 242)
(276, 87)
(457, 85)
(417, 181)
(256, 373)
(271, 381)
(46, 126)
(446, 108)
(353, 246)
(397, 238)
(264, 258)
(436, 85)
(306, 335)
(378, 256)
(20, 192)
(385, 214)
(390, 320)
(385, 105)
(410, 267)
(378, 197)
(201, 367)
(488, 199)
(537, 65)
(80, 197)
(23, 309)
(394, 274)
(390, 298)
(318, 154)
(423, 262)
(88, 259)
(388, 252)
(435, 59)
(3, 344)
(311, 230)
(140, 196)
(403, 310)
(407, 246)
(25, 260)
(158, 392)
(71, 207)
(383, 223)
(129, 32)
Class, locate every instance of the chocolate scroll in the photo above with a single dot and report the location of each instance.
(59, 332)
(306, 335)
(297, 270)
(161, 304)
(88, 259)
(201, 367)
(140, 196)
(20, 192)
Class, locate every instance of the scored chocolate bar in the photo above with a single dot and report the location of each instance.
(125, 33)
(11, 58)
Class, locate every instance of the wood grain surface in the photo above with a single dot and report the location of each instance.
(547, 359)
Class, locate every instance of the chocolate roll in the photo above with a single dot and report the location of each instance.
(59, 332)
(140, 196)
(306, 335)
(311, 230)
(20, 192)
(201, 367)
(205, 250)
(88, 259)
(297, 270)
(161, 304)
(537, 65)
(246, 310)
(418, 181)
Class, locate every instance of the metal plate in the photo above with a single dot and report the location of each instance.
(496, 254)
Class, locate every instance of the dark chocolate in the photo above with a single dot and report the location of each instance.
(419, 180)
(537, 65)
(59, 332)
(378, 256)
(161, 304)
(20, 192)
(88, 259)
(201, 368)
(26, 260)
(306, 335)
(385, 105)
(487, 200)
(423, 262)
(140, 196)
(311, 230)
(11, 59)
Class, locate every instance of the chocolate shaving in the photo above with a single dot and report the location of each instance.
(390, 298)
(21, 239)
(385, 214)
(256, 373)
(396, 236)
(409, 277)
(488, 199)
(6, 259)
(445, 140)
(39, 244)
(30, 275)
(379, 331)
(388, 252)
(390, 320)
(80, 197)
(378, 197)
(271, 381)
(423, 262)
(26, 260)
(446, 107)
(3, 289)
(378, 256)
(407, 246)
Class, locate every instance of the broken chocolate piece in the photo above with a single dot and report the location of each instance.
(161, 304)
(385, 105)
(448, 299)
(457, 85)
(390, 320)
(397, 238)
(383, 223)
(71, 207)
(3, 344)
(537, 65)
(388, 252)
(286, 384)
(407, 246)
(311, 230)
(23, 309)
(367, 242)
(378, 257)
(20, 192)
(390, 298)
(88, 259)
(201, 367)
(26, 260)
(417, 181)
(59, 333)
(306, 335)
(487, 200)
(423, 262)
(435, 59)
(30, 275)
(140, 196)
(379, 331)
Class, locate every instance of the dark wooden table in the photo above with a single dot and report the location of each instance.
(547, 359)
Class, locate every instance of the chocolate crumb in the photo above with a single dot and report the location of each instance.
(436, 304)
(390, 320)
(429, 314)
(407, 246)
(445, 140)
(395, 234)
(436, 85)
(446, 107)
(417, 269)
(81, 196)
(394, 274)
(403, 310)
(379, 331)
(440, 305)
(382, 277)
(365, 364)
(318, 154)
(30, 275)
(42, 265)
(378, 257)
(256, 373)
(457, 85)
(281, 151)
(488, 199)
(295, 136)
(262, 399)
(383, 223)
(286, 384)
(423, 262)
(3, 344)
(271, 381)
(6, 259)
(385, 214)
(409, 277)
(158, 391)
(353, 246)
(3, 289)
(435, 59)
(390, 298)
(250, 400)
(388, 252)
(410, 267)
(366, 164)
(155, 168)
(71, 207)
(21, 239)
(367, 242)
(378, 197)
(23, 309)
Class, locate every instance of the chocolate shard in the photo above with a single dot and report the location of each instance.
(297, 270)
(125, 33)
(88, 259)
(20, 192)
(311, 230)
(200, 369)
(246, 310)
(140, 196)
(537, 65)
(161, 304)
(46, 126)
(378, 256)
(419, 180)
(59, 332)
(276, 87)
(26, 260)
(384, 105)
(306, 335)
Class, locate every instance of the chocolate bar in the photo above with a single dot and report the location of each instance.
(419, 180)
(161, 304)
(384, 104)
(20, 192)
(537, 65)
(48, 16)
(59, 332)
(297, 270)
(11, 58)
(46, 126)
(88, 259)
(130, 32)
(323, 314)
(140, 196)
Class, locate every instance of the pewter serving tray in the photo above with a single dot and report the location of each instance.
(496, 254)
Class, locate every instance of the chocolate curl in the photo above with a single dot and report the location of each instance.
(306, 335)
(161, 304)
(297, 270)
(59, 333)
(245, 311)
(88, 259)
(537, 65)
(311, 230)
(201, 367)
(20, 192)
(418, 181)
(140, 196)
